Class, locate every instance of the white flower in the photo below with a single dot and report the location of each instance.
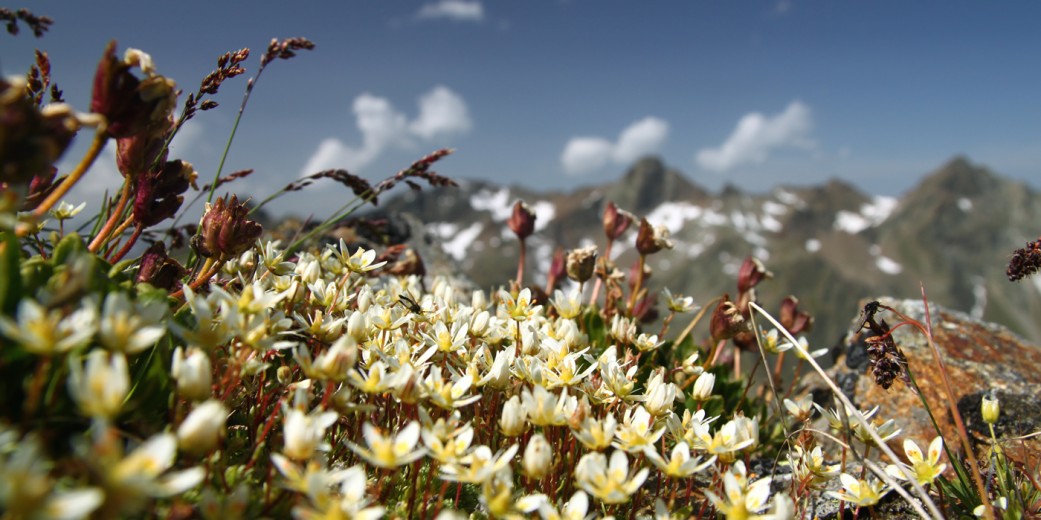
(200, 432)
(140, 473)
(538, 457)
(99, 391)
(46, 332)
(612, 482)
(193, 374)
(514, 418)
(703, 386)
(389, 451)
(130, 327)
(304, 432)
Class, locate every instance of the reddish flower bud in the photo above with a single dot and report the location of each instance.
(159, 270)
(128, 103)
(557, 269)
(31, 140)
(646, 310)
(793, 319)
(224, 230)
(650, 240)
(751, 273)
(158, 194)
(727, 321)
(39, 188)
(580, 263)
(522, 221)
(616, 221)
(136, 154)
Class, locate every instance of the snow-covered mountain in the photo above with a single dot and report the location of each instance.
(830, 245)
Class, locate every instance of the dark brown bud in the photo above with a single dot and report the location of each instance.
(159, 270)
(522, 221)
(128, 103)
(405, 261)
(136, 154)
(651, 239)
(225, 231)
(158, 194)
(751, 273)
(616, 221)
(1024, 262)
(792, 318)
(557, 269)
(31, 140)
(727, 321)
(39, 188)
(580, 263)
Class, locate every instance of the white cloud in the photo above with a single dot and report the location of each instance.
(640, 138)
(442, 113)
(586, 154)
(458, 10)
(757, 135)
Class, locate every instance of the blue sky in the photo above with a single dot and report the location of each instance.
(559, 94)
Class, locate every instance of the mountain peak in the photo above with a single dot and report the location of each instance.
(648, 183)
(959, 176)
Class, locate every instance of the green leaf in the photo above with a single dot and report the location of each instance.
(10, 272)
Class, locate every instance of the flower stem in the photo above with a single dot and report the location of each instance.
(100, 138)
(117, 213)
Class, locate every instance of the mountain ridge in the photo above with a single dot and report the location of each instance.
(829, 244)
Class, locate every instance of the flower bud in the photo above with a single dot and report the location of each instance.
(557, 269)
(580, 263)
(39, 188)
(727, 321)
(793, 319)
(128, 103)
(751, 273)
(159, 270)
(514, 419)
(158, 193)
(31, 140)
(522, 221)
(703, 386)
(991, 408)
(200, 432)
(224, 231)
(193, 374)
(616, 221)
(538, 457)
(650, 240)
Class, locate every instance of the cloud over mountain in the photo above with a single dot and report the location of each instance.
(586, 154)
(382, 126)
(757, 135)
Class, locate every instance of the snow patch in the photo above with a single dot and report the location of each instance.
(772, 208)
(870, 215)
(544, 213)
(813, 245)
(888, 265)
(455, 242)
(789, 198)
(495, 202)
(965, 204)
(673, 215)
(979, 293)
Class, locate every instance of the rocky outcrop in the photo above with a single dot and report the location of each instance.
(979, 357)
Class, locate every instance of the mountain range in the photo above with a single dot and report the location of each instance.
(830, 245)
